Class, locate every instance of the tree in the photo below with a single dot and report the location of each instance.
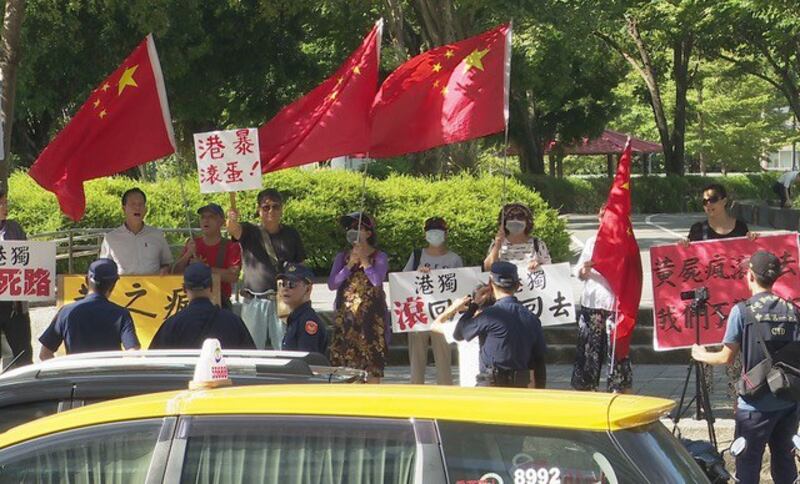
(9, 61)
(656, 37)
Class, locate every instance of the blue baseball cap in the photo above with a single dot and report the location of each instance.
(213, 208)
(504, 274)
(197, 276)
(103, 270)
(296, 272)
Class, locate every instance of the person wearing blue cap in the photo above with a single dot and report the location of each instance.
(222, 255)
(94, 323)
(201, 318)
(511, 337)
(305, 331)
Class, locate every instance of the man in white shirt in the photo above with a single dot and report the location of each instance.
(783, 187)
(137, 248)
(594, 345)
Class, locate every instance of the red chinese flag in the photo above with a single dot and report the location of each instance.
(452, 93)
(616, 254)
(332, 120)
(125, 122)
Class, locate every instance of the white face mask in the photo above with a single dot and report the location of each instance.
(435, 237)
(516, 227)
(352, 236)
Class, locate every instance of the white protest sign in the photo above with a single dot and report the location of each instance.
(416, 298)
(27, 271)
(228, 161)
(547, 293)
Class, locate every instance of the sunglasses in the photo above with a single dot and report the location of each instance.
(288, 284)
(267, 207)
(711, 199)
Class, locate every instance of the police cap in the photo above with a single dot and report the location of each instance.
(197, 276)
(504, 274)
(765, 265)
(296, 272)
(103, 270)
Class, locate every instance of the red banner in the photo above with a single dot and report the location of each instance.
(719, 266)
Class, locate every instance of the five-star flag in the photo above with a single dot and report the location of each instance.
(616, 254)
(125, 122)
(332, 120)
(452, 93)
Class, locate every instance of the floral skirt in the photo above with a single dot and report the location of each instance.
(592, 349)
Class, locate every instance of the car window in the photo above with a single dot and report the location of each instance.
(531, 455)
(118, 453)
(13, 415)
(273, 450)
(667, 460)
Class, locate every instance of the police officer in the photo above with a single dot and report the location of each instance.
(201, 318)
(511, 337)
(305, 331)
(93, 323)
(762, 418)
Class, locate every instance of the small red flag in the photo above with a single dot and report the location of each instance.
(332, 120)
(125, 122)
(616, 254)
(452, 93)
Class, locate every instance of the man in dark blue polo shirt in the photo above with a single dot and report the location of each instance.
(201, 318)
(511, 337)
(304, 330)
(93, 323)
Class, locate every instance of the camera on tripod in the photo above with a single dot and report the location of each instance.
(698, 296)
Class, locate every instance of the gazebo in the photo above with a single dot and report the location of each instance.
(610, 143)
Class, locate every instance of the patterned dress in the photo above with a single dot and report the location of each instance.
(358, 337)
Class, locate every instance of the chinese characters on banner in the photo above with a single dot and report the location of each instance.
(719, 266)
(27, 271)
(228, 161)
(547, 293)
(149, 299)
(416, 298)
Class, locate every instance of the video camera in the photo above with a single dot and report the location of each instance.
(698, 295)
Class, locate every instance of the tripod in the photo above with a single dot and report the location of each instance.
(697, 312)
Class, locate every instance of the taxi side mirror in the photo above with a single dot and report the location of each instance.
(738, 445)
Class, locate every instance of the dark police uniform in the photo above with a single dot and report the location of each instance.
(765, 419)
(305, 331)
(199, 320)
(91, 324)
(511, 340)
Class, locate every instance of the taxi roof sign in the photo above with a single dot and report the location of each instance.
(211, 370)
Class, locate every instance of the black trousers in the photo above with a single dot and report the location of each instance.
(504, 378)
(16, 326)
(775, 429)
(779, 189)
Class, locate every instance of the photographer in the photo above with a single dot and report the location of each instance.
(512, 341)
(761, 327)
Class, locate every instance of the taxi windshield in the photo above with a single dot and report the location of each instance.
(534, 455)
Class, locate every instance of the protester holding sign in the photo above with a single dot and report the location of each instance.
(93, 323)
(594, 341)
(512, 341)
(201, 318)
(211, 248)
(435, 256)
(514, 242)
(15, 322)
(136, 248)
(766, 330)
(357, 276)
(266, 248)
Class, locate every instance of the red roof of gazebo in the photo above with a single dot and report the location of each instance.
(608, 143)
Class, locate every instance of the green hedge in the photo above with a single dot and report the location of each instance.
(315, 200)
(650, 194)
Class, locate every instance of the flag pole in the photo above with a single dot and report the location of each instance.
(363, 197)
(506, 116)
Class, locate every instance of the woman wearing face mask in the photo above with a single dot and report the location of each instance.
(357, 277)
(514, 242)
(435, 256)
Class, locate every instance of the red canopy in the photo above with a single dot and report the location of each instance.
(608, 143)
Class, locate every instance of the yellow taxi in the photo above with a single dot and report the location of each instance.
(352, 434)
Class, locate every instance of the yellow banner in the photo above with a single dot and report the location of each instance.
(150, 299)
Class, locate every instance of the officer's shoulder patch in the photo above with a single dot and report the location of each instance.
(312, 327)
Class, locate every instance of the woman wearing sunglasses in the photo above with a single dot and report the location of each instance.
(514, 242)
(719, 224)
(357, 275)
